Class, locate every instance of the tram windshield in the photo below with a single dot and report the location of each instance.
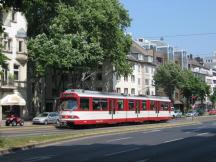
(70, 104)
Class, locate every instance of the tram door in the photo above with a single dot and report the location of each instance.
(137, 108)
(112, 108)
(157, 108)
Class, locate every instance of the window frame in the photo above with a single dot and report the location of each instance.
(80, 108)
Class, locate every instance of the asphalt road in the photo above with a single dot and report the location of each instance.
(195, 143)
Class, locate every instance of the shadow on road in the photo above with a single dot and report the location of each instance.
(192, 149)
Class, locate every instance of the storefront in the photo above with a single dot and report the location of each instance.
(12, 103)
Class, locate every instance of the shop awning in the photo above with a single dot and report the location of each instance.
(13, 99)
(177, 102)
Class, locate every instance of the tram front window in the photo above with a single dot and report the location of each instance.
(70, 104)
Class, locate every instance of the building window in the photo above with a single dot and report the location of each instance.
(118, 90)
(134, 67)
(139, 68)
(146, 81)
(152, 70)
(99, 89)
(125, 90)
(147, 69)
(118, 77)
(16, 72)
(20, 46)
(13, 16)
(125, 78)
(99, 76)
(7, 45)
(5, 72)
(132, 78)
(138, 81)
(54, 92)
(140, 56)
(133, 91)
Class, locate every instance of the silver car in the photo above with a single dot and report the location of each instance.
(46, 118)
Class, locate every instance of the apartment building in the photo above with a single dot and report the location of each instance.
(14, 71)
(140, 82)
(210, 61)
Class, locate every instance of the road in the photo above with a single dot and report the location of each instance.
(195, 143)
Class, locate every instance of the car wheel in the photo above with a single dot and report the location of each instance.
(14, 123)
(7, 124)
(21, 123)
(45, 122)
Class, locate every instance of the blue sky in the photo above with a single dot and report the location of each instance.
(161, 18)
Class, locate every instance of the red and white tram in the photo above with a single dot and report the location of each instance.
(81, 107)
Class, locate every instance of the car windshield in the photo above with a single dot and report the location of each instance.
(43, 115)
(70, 104)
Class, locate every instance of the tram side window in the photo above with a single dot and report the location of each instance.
(104, 104)
(165, 106)
(120, 105)
(131, 104)
(152, 105)
(161, 105)
(143, 105)
(84, 104)
(99, 104)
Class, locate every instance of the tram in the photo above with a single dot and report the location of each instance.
(82, 107)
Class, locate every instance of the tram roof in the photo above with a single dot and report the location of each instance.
(88, 93)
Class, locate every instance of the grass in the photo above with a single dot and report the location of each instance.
(15, 142)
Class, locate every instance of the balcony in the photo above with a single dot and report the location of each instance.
(11, 84)
(22, 57)
(6, 84)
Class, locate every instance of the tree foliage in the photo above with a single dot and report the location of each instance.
(213, 99)
(192, 86)
(168, 77)
(171, 76)
(75, 34)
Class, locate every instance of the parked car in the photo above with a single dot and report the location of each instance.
(192, 113)
(212, 112)
(46, 118)
(177, 114)
(200, 111)
(14, 120)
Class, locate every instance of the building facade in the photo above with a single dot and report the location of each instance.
(14, 71)
(140, 82)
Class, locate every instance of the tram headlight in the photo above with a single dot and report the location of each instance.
(69, 117)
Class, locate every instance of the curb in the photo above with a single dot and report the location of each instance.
(92, 134)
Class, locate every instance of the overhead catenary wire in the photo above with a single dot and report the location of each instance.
(182, 35)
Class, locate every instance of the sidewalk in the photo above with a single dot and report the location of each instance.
(26, 123)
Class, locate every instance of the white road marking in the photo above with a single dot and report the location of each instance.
(123, 151)
(151, 131)
(177, 139)
(201, 134)
(144, 160)
(118, 139)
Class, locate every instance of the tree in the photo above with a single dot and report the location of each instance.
(189, 86)
(80, 36)
(213, 99)
(168, 77)
(193, 86)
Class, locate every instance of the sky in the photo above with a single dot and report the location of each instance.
(194, 20)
